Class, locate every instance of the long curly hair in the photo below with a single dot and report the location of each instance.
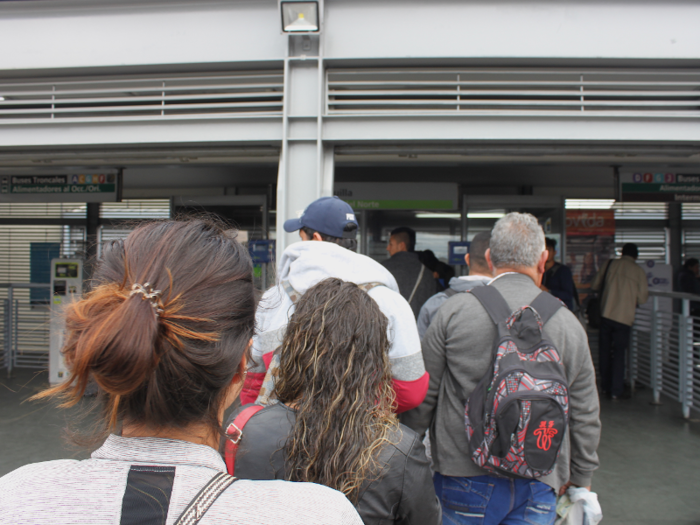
(334, 368)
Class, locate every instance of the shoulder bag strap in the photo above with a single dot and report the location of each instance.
(234, 433)
(205, 499)
(493, 302)
(415, 286)
(605, 276)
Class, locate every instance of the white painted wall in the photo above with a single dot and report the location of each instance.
(90, 33)
(513, 28)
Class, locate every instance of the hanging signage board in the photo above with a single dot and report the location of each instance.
(660, 187)
(100, 187)
(456, 251)
(398, 196)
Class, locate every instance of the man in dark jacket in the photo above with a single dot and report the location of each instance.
(416, 283)
(688, 282)
(557, 278)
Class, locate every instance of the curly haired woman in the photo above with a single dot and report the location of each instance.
(333, 423)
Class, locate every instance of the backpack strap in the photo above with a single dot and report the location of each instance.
(493, 302)
(546, 305)
(234, 433)
(291, 292)
(205, 499)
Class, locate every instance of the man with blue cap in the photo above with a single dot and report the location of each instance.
(328, 231)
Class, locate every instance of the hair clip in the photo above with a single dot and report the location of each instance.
(153, 296)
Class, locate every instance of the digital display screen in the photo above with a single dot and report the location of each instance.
(66, 270)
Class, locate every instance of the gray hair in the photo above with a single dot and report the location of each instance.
(517, 240)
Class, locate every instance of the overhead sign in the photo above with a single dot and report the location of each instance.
(100, 187)
(660, 187)
(398, 196)
(590, 222)
(456, 251)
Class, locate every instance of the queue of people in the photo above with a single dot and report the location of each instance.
(336, 390)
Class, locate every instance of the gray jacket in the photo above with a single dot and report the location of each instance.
(432, 305)
(461, 338)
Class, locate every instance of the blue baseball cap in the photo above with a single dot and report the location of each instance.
(327, 215)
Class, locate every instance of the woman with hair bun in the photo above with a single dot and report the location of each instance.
(164, 333)
(334, 422)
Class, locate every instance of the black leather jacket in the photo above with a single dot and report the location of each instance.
(403, 493)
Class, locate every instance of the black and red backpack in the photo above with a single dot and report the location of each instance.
(517, 415)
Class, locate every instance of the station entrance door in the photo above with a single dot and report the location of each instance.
(436, 229)
(480, 213)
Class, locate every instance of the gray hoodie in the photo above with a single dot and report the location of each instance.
(432, 305)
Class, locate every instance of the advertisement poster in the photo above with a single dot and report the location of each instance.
(590, 242)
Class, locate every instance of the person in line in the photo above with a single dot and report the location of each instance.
(624, 287)
(688, 283)
(442, 272)
(479, 275)
(557, 278)
(458, 347)
(164, 334)
(328, 229)
(334, 423)
(416, 282)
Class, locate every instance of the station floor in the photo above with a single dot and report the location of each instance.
(649, 455)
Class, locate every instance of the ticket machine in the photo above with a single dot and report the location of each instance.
(66, 287)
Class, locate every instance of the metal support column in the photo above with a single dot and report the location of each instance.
(655, 351)
(10, 331)
(93, 224)
(464, 233)
(364, 232)
(634, 356)
(685, 360)
(676, 234)
(306, 170)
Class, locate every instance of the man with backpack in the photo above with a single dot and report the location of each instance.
(479, 275)
(512, 404)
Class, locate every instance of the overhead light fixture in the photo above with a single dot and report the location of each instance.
(486, 215)
(429, 215)
(589, 204)
(300, 17)
(2, 98)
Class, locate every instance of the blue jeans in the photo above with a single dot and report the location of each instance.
(485, 500)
